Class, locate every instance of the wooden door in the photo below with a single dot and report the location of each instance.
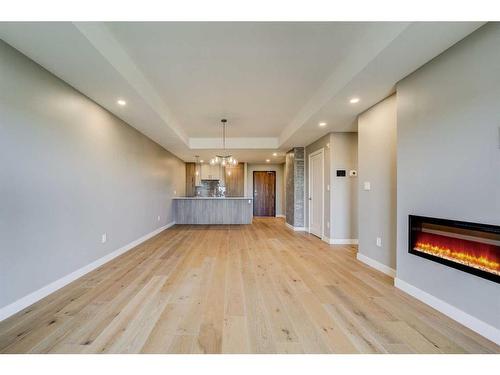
(316, 210)
(264, 193)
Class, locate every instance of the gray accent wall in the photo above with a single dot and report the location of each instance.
(340, 201)
(448, 163)
(344, 195)
(280, 181)
(69, 172)
(377, 165)
(294, 185)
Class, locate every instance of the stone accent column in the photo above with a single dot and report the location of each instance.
(294, 186)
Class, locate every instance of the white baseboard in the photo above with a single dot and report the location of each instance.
(482, 328)
(283, 216)
(343, 241)
(296, 229)
(37, 295)
(375, 264)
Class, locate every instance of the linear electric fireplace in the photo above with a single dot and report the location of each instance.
(470, 247)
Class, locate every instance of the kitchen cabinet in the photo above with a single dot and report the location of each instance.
(210, 172)
(235, 180)
(190, 179)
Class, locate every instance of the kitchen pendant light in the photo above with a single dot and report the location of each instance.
(224, 160)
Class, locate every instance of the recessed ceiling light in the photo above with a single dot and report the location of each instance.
(268, 160)
(354, 100)
(121, 102)
(201, 161)
(322, 124)
(275, 154)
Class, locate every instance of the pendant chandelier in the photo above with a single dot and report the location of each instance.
(225, 159)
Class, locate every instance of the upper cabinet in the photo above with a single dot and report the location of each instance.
(190, 179)
(233, 176)
(205, 171)
(210, 172)
(235, 180)
(193, 179)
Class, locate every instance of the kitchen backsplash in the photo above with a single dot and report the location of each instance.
(209, 188)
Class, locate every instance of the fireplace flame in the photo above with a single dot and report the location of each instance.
(461, 256)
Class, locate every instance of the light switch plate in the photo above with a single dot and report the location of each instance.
(367, 185)
(103, 238)
(379, 242)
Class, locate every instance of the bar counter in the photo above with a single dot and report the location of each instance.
(213, 210)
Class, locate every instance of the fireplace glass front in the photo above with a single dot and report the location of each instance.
(470, 247)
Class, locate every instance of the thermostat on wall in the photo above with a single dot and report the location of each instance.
(341, 173)
(353, 173)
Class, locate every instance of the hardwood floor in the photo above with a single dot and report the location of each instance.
(257, 288)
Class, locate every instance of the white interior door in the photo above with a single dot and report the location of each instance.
(316, 193)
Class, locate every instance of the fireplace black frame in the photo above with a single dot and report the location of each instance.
(412, 221)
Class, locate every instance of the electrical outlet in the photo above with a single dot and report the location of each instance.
(159, 217)
(103, 238)
(379, 242)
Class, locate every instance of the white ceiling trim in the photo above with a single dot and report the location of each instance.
(377, 59)
(354, 63)
(235, 143)
(104, 42)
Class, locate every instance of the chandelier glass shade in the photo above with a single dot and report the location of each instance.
(225, 160)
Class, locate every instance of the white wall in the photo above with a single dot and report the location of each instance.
(69, 172)
(280, 193)
(448, 163)
(377, 165)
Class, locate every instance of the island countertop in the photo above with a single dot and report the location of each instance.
(212, 198)
(213, 210)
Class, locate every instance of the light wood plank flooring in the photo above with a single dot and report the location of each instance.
(257, 288)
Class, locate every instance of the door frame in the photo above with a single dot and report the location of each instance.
(321, 152)
(253, 191)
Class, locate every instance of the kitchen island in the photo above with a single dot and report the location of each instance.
(213, 210)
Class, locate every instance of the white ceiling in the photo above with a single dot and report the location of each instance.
(256, 74)
(273, 81)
